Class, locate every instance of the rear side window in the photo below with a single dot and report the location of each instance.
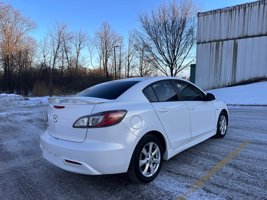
(109, 90)
(150, 94)
(164, 91)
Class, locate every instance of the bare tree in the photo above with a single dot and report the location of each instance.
(106, 39)
(169, 34)
(131, 51)
(14, 30)
(79, 42)
(43, 52)
(23, 60)
(92, 52)
(67, 48)
(55, 41)
(144, 66)
(4, 10)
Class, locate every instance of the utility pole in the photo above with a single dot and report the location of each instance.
(115, 76)
(120, 64)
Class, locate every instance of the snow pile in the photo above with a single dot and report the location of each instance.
(9, 100)
(250, 94)
(38, 100)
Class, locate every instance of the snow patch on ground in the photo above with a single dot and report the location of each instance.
(10, 100)
(250, 94)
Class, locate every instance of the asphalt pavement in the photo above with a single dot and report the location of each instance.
(234, 167)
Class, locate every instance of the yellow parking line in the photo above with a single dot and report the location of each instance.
(203, 179)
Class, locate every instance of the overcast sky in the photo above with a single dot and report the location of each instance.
(88, 15)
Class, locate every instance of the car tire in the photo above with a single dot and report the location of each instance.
(222, 125)
(146, 160)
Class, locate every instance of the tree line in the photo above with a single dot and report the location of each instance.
(65, 61)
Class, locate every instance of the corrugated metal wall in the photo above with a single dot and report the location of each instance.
(232, 45)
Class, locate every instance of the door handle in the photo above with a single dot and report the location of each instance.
(162, 110)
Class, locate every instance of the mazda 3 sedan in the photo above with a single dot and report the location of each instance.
(130, 126)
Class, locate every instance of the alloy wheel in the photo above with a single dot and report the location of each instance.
(223, 125)
(149, 159)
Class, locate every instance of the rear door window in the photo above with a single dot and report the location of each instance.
(150, 94)
(164, 91)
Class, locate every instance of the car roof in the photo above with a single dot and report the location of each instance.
(135, 92)
(152, 79)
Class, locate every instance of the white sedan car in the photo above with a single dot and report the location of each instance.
(130, 126)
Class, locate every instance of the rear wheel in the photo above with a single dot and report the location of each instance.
(147, 160)
(222, 125)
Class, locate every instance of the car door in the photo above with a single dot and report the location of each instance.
(173, 114)
(202, 111)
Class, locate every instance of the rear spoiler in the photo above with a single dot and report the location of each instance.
(76, 100)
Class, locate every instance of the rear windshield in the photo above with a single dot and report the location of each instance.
(108, 90)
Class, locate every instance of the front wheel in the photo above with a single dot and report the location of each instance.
(147, 160)
(222, 125)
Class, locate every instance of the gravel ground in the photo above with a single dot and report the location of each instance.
(24, 174)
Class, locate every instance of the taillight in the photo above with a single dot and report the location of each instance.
(103, 119)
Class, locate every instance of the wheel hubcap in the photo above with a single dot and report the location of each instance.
(150, 159)
(223, 125)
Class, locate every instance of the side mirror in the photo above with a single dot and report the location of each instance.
(210, 97)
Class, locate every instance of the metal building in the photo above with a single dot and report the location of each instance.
(232, 45)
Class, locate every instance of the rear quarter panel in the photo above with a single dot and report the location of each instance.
(140, 118)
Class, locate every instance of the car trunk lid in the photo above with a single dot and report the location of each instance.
(64, 111)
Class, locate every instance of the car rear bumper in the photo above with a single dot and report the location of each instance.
(89, 157)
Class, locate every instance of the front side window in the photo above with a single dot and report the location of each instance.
(109, 90)
(164, 91)
(188, 92)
